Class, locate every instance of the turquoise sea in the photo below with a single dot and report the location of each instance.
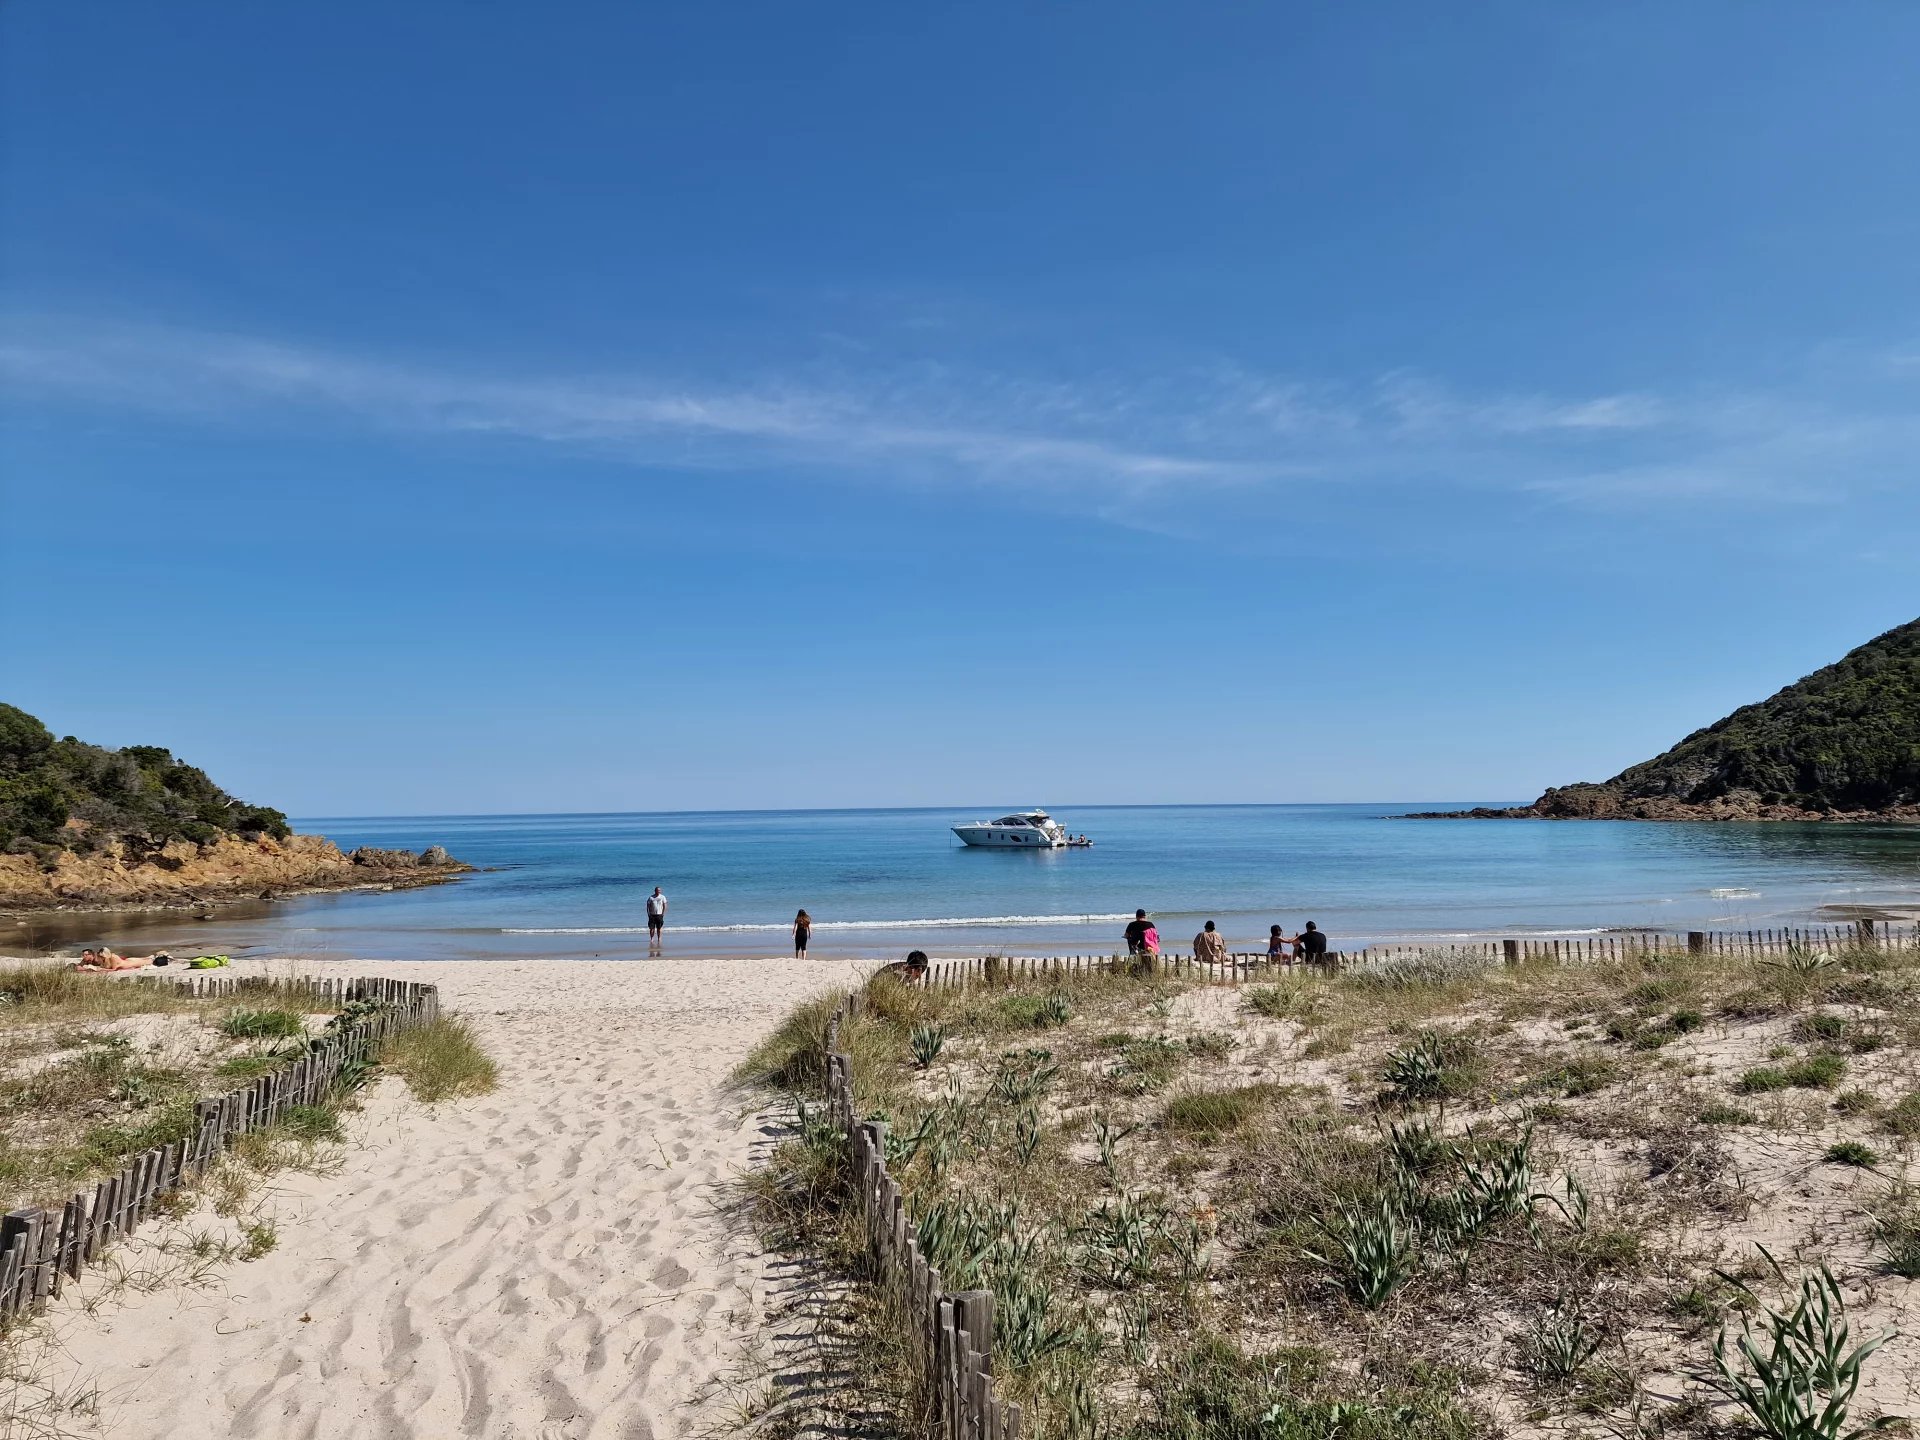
(879, 882)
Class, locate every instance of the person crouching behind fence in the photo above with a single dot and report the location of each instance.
(910, 971)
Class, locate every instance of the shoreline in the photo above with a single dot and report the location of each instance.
(122, 877)
(221, 900)
(824, 955)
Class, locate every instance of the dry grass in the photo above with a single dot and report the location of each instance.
(95, 1069)
(1438, 1200)
(441, 1061)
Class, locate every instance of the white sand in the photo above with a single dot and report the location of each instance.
(557, 1259)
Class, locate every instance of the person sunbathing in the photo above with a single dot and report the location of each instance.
(105, 961)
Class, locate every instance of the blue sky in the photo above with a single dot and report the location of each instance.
(450, 407)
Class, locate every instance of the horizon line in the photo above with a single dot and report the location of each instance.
(894, 809)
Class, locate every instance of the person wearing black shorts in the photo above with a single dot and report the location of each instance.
(656, 917)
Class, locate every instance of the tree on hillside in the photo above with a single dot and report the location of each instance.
(70, 794)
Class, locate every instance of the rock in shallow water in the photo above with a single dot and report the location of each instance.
(377, 859)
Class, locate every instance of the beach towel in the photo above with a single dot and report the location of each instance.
(208, 962)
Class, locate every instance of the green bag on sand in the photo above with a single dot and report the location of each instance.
(207, 962)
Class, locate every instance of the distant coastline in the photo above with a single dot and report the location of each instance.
(1841, 746)
(1606, 802)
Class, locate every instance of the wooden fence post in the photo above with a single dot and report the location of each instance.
(15, 1227)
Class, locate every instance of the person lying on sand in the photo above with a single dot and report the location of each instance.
(104, 960)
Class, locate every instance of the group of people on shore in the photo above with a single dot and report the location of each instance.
(1210, 946)
(1142, 936)
(657, 926)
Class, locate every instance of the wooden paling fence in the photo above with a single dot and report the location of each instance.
(41, 1249)
(950, 1335)
(1590, 949)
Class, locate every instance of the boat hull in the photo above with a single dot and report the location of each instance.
(990, 837)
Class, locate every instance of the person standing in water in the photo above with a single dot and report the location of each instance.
(802, 932)
(656, 919)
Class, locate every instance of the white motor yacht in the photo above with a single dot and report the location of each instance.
(1031, 829)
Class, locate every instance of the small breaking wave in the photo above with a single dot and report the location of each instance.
(1733, 892)
(944, 922)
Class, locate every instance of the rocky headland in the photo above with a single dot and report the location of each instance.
(186, 874)
(85, 827)
(1843, 744)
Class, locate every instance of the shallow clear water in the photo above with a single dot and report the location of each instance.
(881, 881)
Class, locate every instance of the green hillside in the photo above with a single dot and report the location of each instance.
(1846, 738)
(140, 795)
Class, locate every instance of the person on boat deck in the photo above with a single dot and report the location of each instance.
(1210, 946)
(1137, 932)
(1311, 943)
(1276, 945)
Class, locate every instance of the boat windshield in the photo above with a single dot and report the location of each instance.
(1013, 820)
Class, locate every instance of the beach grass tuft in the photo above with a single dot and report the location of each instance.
(794, 1057)
(271, 1023)
(441, 1061)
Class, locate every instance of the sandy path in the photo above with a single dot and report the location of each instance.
(549, 1261)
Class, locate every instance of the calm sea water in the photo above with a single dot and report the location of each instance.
(879, 882)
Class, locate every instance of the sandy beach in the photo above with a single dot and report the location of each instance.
(560, 1259)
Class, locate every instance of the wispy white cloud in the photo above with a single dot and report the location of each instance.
(974, 429)
(1110, 437)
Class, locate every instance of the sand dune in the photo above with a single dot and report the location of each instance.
(553, 1260)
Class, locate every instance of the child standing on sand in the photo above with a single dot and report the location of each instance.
(802, 932)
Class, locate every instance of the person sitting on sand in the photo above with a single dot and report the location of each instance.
(1210, 946)
(1137, 932)
(1276, 945)
(104, 961)
(1311, 944)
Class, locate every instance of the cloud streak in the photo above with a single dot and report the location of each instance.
(1107, 439)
